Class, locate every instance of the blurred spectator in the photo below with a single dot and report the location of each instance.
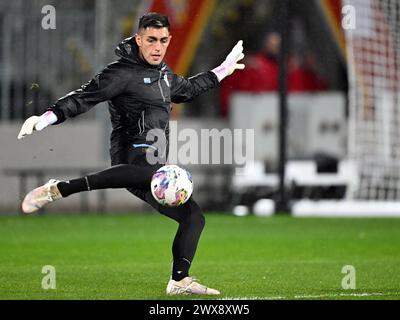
(262, 73)
(303, 76)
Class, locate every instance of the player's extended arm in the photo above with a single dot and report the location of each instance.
(231, 62)
(104, 86)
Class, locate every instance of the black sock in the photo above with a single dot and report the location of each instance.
(69, 187)
(180, 269)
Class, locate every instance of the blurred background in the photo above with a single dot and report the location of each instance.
(320, 90)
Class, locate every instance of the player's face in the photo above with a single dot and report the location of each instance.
(153, 44)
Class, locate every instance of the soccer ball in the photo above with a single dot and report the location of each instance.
(171, 186)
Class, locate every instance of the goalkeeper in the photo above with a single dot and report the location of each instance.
(139, 88)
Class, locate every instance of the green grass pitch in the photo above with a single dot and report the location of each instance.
(129, 257)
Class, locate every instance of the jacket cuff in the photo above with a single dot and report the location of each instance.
(58, 113)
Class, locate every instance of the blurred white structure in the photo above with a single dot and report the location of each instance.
(317, 124)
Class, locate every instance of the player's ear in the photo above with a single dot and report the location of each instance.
(169, 39)
(138, 39)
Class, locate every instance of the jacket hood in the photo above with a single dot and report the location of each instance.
(129, 50)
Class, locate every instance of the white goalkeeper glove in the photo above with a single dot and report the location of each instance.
(37, 123)
(231, 62)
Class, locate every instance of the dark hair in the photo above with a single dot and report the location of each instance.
(153, 20)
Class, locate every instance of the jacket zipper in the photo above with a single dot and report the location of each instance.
(159, 85)
(166, 141)
(141, 127)
(143, 120)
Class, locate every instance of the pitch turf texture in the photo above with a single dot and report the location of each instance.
(129, 257)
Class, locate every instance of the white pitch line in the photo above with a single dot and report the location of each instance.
(253, 298)
(364, 294)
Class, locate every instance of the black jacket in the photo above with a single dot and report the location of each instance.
(139, 96)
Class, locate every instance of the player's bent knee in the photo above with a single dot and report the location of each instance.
(202, 221)
(198, 220)
(197, 215)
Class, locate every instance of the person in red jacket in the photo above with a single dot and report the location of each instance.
(303, 77)
(260, 75)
